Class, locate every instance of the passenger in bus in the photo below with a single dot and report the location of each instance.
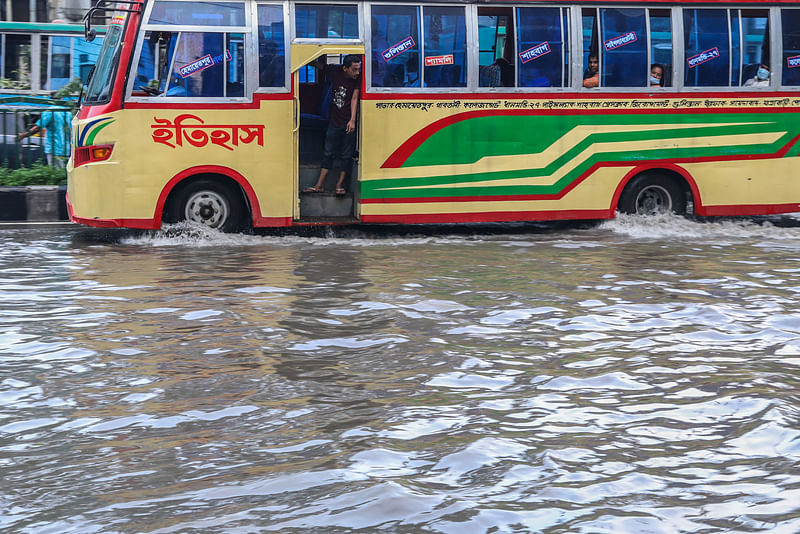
(270, 64)
(656, 75)
(340, 137)
(591, 77)
(506, 72)
(177, 87)
(761, 79)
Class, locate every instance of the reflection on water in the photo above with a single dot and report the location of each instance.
(634, 376)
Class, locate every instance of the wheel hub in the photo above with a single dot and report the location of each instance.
(208, 208)
(653, 200)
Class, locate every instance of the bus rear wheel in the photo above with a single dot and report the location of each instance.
(652, 194)
(210, 203)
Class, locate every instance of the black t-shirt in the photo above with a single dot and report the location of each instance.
(342, 89)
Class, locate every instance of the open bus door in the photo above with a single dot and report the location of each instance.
(311, 101)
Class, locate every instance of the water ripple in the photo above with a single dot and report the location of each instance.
(640, 375)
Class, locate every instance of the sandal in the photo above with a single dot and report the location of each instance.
(313, 189)
(341, 191)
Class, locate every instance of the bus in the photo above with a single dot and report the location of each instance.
(490, 111)
(38, 58)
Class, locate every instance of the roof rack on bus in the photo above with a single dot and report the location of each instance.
(133, 6)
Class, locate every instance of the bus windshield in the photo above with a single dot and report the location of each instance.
(101, 81)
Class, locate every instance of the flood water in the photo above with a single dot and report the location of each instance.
(633, 376)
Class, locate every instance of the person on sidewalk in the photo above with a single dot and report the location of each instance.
(340, 137)
(57, 126)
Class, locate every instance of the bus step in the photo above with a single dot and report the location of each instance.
(327, 204)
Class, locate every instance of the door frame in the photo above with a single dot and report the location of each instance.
(300, 56)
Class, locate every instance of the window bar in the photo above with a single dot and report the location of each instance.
(775, 47)
(225, 44)
(172, 62)
(421, 37)
(49, 67)
(516, 45)
(472, 49)
(73, 59)
(730, 48)
(599, 49)
(741, 48)
(563, 45)
(649, 44)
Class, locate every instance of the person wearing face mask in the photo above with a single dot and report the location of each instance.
(656, 75)
(591, 77)
(761, 79)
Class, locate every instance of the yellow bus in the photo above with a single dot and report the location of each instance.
(216, 112)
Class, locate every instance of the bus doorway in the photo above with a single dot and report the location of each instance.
(313, 99)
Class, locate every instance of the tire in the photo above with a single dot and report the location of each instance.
(211, 203)
(652, 194)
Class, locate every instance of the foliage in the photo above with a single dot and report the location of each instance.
(7, 83)
(37, 175)
(69, 92)
(73, 88)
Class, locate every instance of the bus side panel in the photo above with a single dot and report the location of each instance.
(748, 187)
(495, 160)
(154, 146)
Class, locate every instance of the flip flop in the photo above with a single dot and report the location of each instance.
(313, 189)
(341, 191)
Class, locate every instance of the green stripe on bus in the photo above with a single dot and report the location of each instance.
(90, 139)
(470, 140)
(387, 188)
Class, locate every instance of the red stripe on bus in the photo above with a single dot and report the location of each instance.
(748, 209)
(488, 216)
(521, 216)
(255, 104)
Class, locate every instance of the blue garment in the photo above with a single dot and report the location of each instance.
(58, 126)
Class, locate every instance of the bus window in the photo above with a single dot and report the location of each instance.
(203, 64)
(147, 75)
(707, 47)
(198, 64)
(56, 74)
(318, 21)
(17, 60)
(661, 45)
(271, 47)
(541, 54)
(234, 71)
(84, 57)
(623, 53)
(496, 47)
(168, 12)
(790, 21)
(395, 46)
(445, 47)
(100, 83)
(591, 48)
(754, 48)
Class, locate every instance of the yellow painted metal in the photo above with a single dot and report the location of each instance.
(303, 54)
(129, 184)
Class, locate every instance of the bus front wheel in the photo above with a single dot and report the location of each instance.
(652, 194)
(210, 203)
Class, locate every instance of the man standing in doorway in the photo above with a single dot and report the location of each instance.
(340, 138)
